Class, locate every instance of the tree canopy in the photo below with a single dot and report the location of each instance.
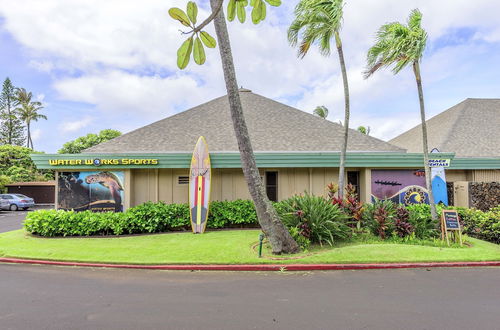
(78, 145)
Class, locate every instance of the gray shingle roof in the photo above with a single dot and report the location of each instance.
(273, 126)
(470, 129)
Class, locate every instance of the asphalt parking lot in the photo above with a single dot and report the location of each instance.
(12, 220)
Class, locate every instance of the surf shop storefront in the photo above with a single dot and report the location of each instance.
(114, 182)
(295, 151)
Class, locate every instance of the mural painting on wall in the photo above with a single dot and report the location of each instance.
(400, 186)
(95, 191)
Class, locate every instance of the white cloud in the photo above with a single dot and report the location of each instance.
(75, 124)
(120, 55)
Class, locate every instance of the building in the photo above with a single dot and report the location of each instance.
(43, 192)
(295, 152)
(470, 130)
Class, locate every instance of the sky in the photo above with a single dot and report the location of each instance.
(112, 64)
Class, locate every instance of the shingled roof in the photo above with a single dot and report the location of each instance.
(470, 129)
(273, 127)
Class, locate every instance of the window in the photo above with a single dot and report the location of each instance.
(182, 180)
(272, 186)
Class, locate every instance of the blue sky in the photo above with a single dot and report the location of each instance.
(112, 64)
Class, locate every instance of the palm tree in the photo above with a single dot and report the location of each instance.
(320, 21)
(321, 111)
(271, 225)
(27, 111)
(399, 46)
(364, 130)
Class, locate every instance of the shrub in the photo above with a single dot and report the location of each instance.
(238, 213)
(379, 217)
(420, 219)
(351, 206)
(483, 225)
(314, 217)
(402, 226)
(145, 218)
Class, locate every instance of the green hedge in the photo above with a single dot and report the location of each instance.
(145, 218)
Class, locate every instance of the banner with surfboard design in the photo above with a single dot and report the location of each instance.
(199, 186)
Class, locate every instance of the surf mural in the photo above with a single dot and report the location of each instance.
(400, 186)
(95, 191)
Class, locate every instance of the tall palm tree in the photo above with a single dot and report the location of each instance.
(27, 111)
(320, 21)
(271, 225)
(399, 46)
(321, 111)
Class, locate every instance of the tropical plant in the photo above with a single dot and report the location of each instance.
(279, 237)
(351, 206)
(11, 127)
(84, 142)
(320, 21)
(27, 110)
(316, 218)
(321, 111)
(364, 130)
(16, 163)
(420, 218)
(399, 46)
(402, 226)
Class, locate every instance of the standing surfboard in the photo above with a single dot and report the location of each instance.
(199, 186)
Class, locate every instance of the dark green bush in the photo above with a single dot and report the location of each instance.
(420, 219)
(316, 218)
(483, 225)
(145, 218)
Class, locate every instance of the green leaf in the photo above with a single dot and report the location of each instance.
(192, 11)
(199, 52)
(179, 15)
(184, 53)
(242, 15)
(208, 40)
(258, 11)
(275, 3)
(231, 10)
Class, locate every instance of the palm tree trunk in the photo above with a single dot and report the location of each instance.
(346, 118)
(416, 70)
(29, 135)
(271, 225)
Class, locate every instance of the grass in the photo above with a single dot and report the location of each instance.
(224, 247)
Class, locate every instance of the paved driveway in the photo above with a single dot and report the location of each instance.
(44, 297)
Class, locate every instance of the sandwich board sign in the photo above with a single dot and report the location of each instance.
(450, 223)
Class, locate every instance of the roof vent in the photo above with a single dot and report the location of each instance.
(244, 90)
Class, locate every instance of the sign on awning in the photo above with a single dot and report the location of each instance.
(439, 162)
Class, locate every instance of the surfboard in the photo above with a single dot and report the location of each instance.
(438, 182)
(199, 186)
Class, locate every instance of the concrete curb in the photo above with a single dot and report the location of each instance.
(264, 267)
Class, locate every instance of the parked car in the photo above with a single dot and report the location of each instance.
(4, 204)
(16, 202)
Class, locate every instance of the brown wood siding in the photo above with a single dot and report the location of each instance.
(41, 194)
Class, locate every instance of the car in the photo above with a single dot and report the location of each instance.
(4, 204)
(16, 202)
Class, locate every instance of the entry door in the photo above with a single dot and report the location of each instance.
(272, 186)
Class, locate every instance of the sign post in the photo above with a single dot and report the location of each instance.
(450, 223)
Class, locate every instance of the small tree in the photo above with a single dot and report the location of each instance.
(400, 45)
(277, 233)
(84, 142)
(321, 111)
(27, 111)
(320, 21)
(11, 127)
